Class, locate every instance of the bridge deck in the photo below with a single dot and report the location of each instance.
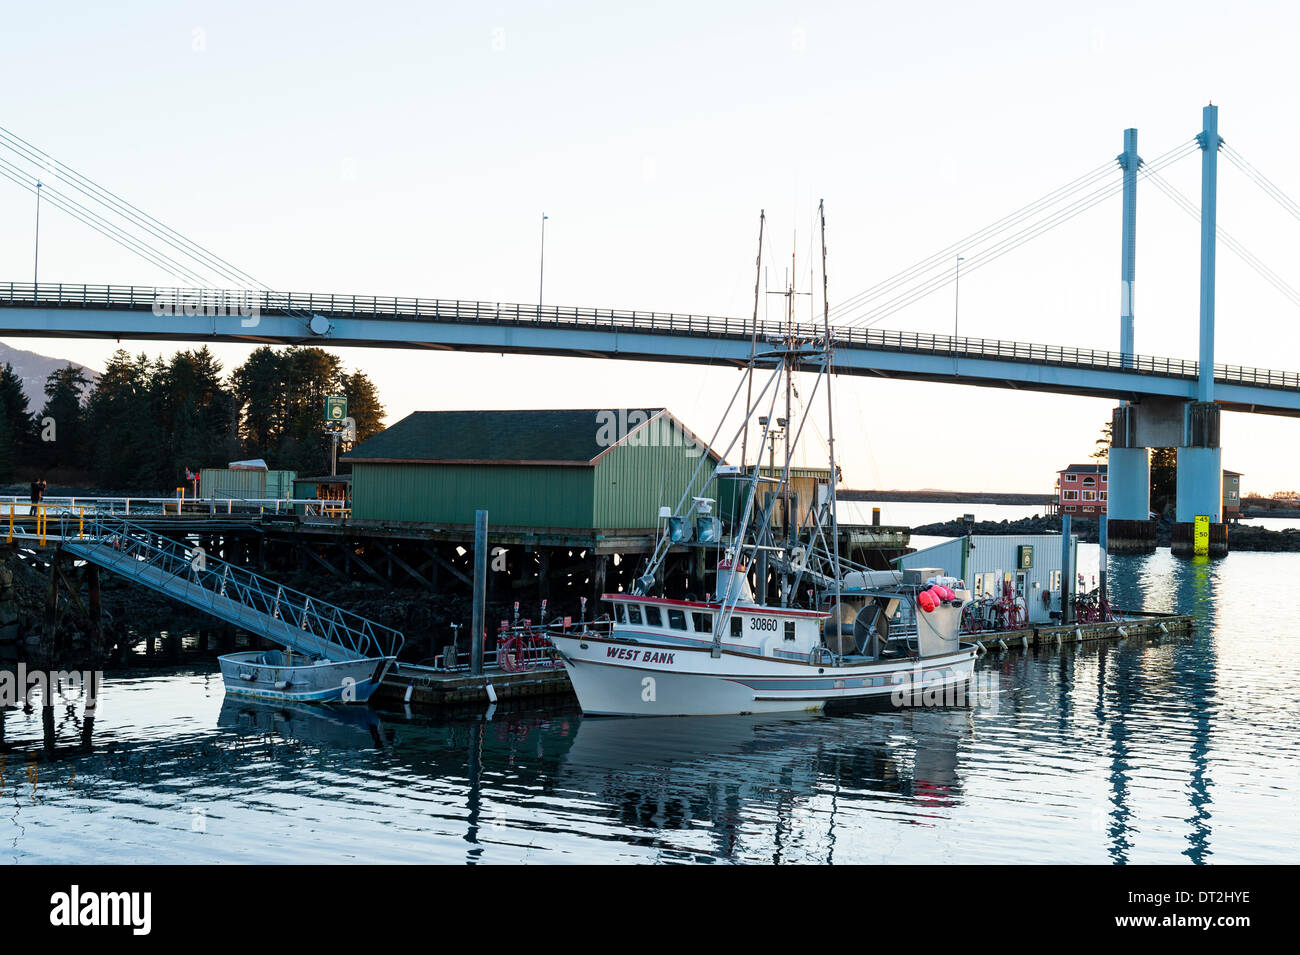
(141, 312)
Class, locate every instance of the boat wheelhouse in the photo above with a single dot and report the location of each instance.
(774, 632)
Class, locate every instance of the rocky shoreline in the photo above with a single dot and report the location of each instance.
(1241, 536)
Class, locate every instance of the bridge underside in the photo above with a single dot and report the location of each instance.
(903, 357)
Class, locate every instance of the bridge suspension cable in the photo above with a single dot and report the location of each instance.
(1233, 244)
(1047, 215)
(199, 257)
(944, 256)
(96, 222)
(1271, 189)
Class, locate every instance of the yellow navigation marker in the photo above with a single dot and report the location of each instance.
(1201, 535)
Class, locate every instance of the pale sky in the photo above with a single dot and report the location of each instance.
(411, 149)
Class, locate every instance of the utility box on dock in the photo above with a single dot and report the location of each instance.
(245, 484)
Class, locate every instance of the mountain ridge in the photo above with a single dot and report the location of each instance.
(34, 368)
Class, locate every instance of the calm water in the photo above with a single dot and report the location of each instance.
(1183, 750)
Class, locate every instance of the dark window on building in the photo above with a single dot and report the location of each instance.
(653, 617)
(677, 619)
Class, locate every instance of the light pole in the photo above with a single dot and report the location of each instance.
(541, 275)
(956, 310)
(36, 263)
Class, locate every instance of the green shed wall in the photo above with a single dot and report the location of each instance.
(515, 495)
(632, 482)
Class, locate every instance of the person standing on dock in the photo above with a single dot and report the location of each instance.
(37, 491)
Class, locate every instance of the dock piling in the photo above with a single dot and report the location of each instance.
(480, 590)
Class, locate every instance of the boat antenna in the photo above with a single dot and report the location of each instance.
(753, 342)
(830, 426)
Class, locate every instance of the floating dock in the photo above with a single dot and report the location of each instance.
(1133, 623)
(426, 686)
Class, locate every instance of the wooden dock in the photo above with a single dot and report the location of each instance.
(1134, 624)
(425, 686)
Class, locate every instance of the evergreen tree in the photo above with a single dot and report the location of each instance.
(1164, 480)
(260, 386)
(364, 405)
(7, 453)
(15, 414)
(62, 425)
(126, 436)
(15, 422)
(1102, 449)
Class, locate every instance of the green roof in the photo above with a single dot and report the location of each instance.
(571, 437)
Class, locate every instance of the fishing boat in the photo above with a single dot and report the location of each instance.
(298, 677)
(834, 632)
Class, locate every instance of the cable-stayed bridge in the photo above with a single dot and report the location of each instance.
(1167, 402)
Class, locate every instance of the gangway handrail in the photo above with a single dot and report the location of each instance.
(324, 626)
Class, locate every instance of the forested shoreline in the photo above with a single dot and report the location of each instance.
(146, 420)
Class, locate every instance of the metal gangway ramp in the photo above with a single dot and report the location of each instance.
(238, 596)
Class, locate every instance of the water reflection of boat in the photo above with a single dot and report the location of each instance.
(793, 754)
(340, 727)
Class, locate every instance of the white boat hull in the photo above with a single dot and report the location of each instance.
(324, 681)
(618, 678)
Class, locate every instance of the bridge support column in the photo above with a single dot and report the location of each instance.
(1200, 483)
(1129, 529)
(1200, 467)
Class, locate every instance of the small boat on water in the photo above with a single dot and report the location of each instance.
(277, 675)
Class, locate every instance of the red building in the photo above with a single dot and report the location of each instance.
(1081, 489)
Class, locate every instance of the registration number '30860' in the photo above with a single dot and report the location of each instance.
(762, 623)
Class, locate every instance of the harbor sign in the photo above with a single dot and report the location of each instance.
(336, 408)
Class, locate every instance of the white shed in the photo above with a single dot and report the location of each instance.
(1030, 564)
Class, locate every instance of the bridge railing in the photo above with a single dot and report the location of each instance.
(405, 308)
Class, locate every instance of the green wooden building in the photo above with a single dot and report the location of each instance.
(589, 472)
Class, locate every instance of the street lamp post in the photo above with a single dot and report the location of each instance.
(541, 275)
(36, 262)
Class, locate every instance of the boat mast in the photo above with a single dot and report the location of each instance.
(789, 419)
(753, 346)
(830, 425)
